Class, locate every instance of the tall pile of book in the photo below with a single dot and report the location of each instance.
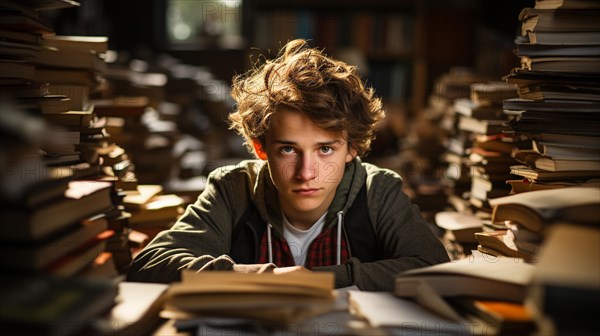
(452, 174)
(54, 223)
(558, 111)
(479, 158)
(142, 120)
(454, 156)
(482, 122)
(559, 95)
(422, 148)
(21, 41)
(203, 101)
(147, 125)
(56, 206)
(559, 102)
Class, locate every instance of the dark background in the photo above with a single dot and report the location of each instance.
(457, 33)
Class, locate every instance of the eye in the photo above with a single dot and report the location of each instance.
(326, 149)
(286, 149)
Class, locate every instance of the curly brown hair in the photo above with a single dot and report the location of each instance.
(328, 91)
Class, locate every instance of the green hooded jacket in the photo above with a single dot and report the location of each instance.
(201, 238)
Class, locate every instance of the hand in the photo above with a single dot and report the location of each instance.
(290, 269)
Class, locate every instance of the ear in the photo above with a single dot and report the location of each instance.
(351, 153)
(259, 150)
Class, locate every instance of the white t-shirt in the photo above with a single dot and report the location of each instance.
(299, 240)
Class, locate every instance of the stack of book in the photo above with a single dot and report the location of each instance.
(482, 121)
(177, 113)
(151, 211)
(148, 141)
(557, 230)
(550, 217)
(69, 69)
(74, 184)
(423, 147)
(97, 148)
(139, 117)
(55, 209)
(559, 95)
(55, 229)
(528, 215)
(205, 102)
(450, 89)
(21, 31)
(479, 157)
(560, 37)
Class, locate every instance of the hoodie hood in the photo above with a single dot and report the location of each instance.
(267, 202)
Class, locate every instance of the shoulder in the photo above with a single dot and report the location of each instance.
(384, 190)
(229, 189)
(378, 177)
(235, 182)
(247, 170)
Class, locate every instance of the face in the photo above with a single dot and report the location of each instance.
(306, 163)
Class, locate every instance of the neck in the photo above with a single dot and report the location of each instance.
(302, 222)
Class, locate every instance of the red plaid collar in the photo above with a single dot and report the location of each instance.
(322, 251)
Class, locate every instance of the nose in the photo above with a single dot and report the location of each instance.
(307, 168)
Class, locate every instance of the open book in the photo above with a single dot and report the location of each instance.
(478, 276)
(265, 297)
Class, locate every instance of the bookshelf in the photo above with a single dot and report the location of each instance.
(380, 37)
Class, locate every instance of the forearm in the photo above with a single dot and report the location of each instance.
(169, 253)
(376, 276)
(161, 263)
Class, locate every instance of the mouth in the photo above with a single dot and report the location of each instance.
(305, 191)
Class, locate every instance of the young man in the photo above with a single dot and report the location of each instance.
(308, 203)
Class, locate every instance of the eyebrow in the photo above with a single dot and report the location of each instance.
(321, 143)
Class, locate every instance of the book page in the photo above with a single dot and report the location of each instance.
(383, 309)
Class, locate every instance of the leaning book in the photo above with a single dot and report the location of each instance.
(535, 210)
(478, 276)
